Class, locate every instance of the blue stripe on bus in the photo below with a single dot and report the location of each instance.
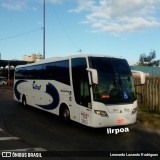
(52, 91)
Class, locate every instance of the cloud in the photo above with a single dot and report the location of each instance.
(16, 5)
(20, 5)
(114, 16)
(83, 5)
(119, 16)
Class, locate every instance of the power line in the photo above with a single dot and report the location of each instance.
(66, 32)
(19, 35)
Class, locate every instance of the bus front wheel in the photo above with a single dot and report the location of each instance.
(65, 114)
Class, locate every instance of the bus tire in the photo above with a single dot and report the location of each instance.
(65, 113)
(24, 102)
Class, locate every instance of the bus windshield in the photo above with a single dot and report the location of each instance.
(115, 81)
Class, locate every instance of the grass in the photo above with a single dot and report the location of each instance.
(148, 119)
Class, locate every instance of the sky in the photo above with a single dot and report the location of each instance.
(119, 28)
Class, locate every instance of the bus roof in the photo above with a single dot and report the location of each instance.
(54, 59)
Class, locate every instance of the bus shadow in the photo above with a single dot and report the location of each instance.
(54, 121)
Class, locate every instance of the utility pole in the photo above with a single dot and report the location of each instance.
(44, 27)
(8, 72)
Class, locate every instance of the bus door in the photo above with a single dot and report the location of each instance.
(82, 104)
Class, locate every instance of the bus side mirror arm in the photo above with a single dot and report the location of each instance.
(94, 76)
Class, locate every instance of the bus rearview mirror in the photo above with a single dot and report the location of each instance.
(94, 76)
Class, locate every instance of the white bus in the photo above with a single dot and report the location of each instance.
(96, 91)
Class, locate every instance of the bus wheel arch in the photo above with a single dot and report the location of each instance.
(64, 112)
(24, 101)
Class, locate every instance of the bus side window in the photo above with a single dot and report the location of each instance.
(80, 81)
(49, 71)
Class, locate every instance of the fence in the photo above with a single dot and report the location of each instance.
(148, 95)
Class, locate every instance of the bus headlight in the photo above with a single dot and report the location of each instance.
(134, 110)
(102, 113)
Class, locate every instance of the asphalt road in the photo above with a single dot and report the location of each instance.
(30, 129)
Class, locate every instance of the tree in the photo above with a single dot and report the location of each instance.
(145, 60)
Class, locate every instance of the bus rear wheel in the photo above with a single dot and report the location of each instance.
(24, 101)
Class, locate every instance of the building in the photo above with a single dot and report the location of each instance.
(151, 71)
(33, 57)
(7, 68)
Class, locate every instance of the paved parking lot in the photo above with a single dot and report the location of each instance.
(28, 129)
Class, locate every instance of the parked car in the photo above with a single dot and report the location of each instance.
(3, 81)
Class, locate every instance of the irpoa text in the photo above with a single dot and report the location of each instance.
(117, 130)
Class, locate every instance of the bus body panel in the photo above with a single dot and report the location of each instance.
(37, 95)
